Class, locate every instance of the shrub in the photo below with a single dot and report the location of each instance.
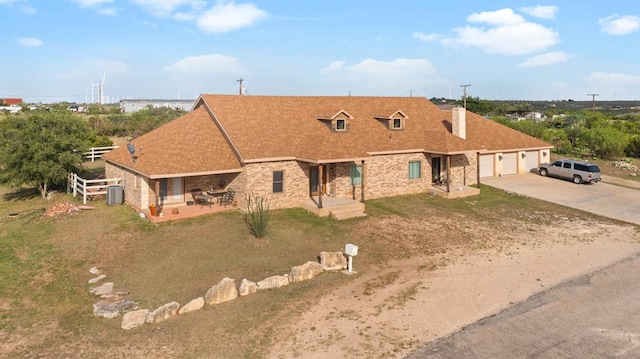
(258, 215)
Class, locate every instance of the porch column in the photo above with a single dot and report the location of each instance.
(478, 168)
(157, 195)
(320, 186)
(448, 173)
(362, 182)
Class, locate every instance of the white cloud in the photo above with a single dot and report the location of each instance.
(30, 42)
(92, 3)
(205, 65)
(164, 8)
(225, 17)
(546, 59)
(384, 77)
(333, 67)
(508, 33)
(516, 39)
(384, 72)
(427, 37)
(613, 78)
(498, 17)
(619, 25)
(542, 12)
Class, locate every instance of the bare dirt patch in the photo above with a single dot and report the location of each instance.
(389, 310)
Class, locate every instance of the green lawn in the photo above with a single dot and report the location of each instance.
(46, 309)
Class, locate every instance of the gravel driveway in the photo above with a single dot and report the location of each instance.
(600, 198)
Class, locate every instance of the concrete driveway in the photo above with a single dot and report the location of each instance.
(600, 198)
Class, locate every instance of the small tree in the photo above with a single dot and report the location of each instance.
(258, 215)
(41, 149)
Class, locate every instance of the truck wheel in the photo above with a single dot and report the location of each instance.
(543, 172)
(577, 179)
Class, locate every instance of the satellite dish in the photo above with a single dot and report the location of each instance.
(131, 147)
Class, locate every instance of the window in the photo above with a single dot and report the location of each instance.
(278, 181)
(356, 175)
(414, 169)
(341, 124)
(397, 123)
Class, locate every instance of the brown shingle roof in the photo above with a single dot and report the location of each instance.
(189, 144)
(272, 127)
(287, 126)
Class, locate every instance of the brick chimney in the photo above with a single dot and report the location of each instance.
(459, 122)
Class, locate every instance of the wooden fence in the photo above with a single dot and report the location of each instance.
(89, 188)
(97, 152)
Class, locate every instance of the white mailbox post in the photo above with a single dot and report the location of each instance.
(351, 250)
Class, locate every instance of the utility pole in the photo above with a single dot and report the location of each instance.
(593, 100)
(240, 81)
(464, 96)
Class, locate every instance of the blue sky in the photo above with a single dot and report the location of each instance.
(60, 50)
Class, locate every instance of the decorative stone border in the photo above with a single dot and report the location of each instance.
(113, 304)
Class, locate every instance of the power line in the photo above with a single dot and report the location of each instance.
(464, 96)
(593, 99)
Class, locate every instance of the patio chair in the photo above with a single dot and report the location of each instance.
(194, 194)
(227, 197)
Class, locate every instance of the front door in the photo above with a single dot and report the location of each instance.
(436, 169)
(314, 179)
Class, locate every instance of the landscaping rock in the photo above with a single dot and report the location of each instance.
(94, 270)
(222, 292)
(305, 271)
(275, 281)
(103, 290)
(112, 309)
(333, 260)
(97, 279)
(134, 319)
(164, 312)
(248, 287)
(193, 305)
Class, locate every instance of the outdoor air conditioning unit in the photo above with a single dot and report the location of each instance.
(115, 195)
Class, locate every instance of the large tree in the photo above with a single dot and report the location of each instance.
(41, 149)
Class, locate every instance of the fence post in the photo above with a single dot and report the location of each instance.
(84, 191)
(74, 185)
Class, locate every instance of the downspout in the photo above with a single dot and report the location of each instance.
(362, 183)
(157, 197)
(448, 173)
(320, 186)
(478, 168)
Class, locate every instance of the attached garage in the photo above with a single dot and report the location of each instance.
(509, 163)
(486, 166)
(531, 160)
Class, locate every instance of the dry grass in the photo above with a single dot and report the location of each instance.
(46, 310)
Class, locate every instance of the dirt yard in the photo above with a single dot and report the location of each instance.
(389, 311)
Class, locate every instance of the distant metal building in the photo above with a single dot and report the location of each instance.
(129, 106)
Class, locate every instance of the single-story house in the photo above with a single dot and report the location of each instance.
(301, 149)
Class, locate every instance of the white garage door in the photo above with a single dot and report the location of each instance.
(510, 163)
(486, 165)
(531, 160)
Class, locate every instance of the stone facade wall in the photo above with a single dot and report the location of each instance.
(258, 178)
(384, 176)
(136, 188)
(464, 169)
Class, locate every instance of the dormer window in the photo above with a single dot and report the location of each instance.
(338, 122)
(395, 121)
